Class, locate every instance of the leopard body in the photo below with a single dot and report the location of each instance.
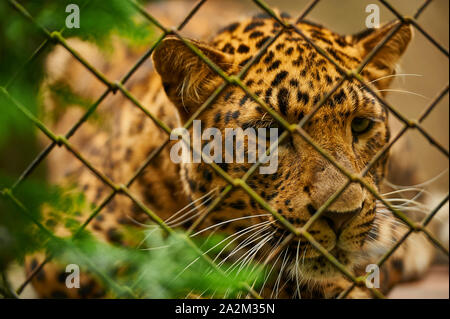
(291, 77)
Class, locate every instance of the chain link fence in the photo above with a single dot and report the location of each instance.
(57, 38)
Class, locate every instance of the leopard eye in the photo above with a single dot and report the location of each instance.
(361, 125)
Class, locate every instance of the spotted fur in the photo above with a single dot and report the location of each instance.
(291, 77)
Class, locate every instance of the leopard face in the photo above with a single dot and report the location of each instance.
(292, 77)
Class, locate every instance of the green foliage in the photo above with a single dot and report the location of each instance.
(102, 18)
(22, 212)
(169, 268)
(20, 38)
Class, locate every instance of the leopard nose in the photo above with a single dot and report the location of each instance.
(338, 220)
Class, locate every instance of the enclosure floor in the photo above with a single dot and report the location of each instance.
(434, 286)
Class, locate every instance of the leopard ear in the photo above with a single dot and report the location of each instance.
(187, 79)
(384, 63)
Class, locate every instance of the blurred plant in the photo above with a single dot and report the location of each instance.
(168, 267)
(19, 234)
(20, 38)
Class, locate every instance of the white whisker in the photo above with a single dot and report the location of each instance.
(267, 276)
(248, 253)
(244, 244)
(431, 180)
(404, 91)
(262, 226)
(405, 190)
(297, 270)
(207, 251)
(189, 205)
(187, 219)
(280, 274)
(392, 76)
(260, 245)
(228, 221)
(134, 221)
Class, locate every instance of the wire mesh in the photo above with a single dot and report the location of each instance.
(57, 38)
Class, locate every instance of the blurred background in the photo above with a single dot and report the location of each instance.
(426, 66)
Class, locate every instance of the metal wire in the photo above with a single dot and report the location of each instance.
(240, 183)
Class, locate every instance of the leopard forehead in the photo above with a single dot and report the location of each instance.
(291, 76)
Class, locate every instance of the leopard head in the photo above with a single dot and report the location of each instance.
(291, 77)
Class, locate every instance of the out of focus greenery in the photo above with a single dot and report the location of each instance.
(19, 38)
(155, 273)
(161, 266)
(168, 268)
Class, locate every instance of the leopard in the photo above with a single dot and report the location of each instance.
(291, 77)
